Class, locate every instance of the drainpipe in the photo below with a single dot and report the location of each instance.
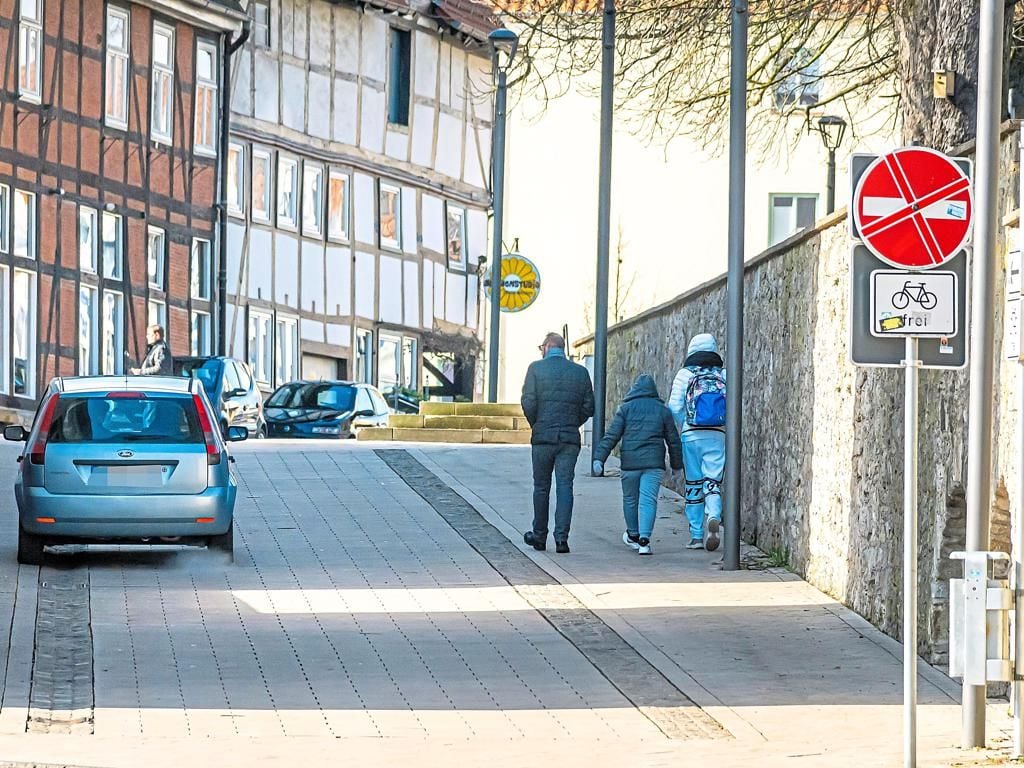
(222, 187)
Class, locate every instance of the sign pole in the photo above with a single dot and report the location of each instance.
(913, 367)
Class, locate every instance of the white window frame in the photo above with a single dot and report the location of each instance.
(264, 212)
(114, 331)
(312, 200)
(393, 244)
(287, 215)
(410, 367)
(261, 348)
(799, 85)
(30, 335)
(30, 39)
(5, 218)
(6, 380)
(116, 115)
(162, 121)
(88, 331)
(156, 314)
(262, 32)
(25, 220)
(365, 355)
(88, 252)
(342, 234)
(113, 269)
(206, 93)
(201, 246)
(236, 190)
(201, 333)
(156, 236)
(773, 238)
(286, 349)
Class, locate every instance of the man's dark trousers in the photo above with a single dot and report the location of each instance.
(561, 458)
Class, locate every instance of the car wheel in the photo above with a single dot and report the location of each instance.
(30, 548)
(224, 543)
(261, 432)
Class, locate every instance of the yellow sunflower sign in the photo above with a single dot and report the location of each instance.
(520, 283)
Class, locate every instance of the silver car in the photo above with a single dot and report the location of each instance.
(124, 459)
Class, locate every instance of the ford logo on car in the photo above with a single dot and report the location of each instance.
(126, 454)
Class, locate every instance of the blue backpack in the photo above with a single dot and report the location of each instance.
(705, 398)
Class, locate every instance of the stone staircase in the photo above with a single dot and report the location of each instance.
(490, 423)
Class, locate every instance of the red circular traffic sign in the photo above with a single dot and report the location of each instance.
(913, 208)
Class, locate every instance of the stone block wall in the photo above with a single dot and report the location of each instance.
(823, 440)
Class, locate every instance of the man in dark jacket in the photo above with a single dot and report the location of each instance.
(645, 427)
(557, 399)
(158, 359)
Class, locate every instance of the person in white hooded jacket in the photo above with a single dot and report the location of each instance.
(702, 425)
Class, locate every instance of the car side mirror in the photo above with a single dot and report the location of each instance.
(364, 412)
(15, 433)
(237, 434)
(238, 392)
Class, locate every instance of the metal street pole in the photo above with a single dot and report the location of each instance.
(830, 198)
(912, 365)
(604, 206)
(979, 452)
(734, 308)
(498, 150)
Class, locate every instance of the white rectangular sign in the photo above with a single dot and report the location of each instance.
(913, 303)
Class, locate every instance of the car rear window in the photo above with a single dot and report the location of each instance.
(207, 371)
(105, 419)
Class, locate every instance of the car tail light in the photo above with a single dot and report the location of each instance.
(37, 450)
(125, 396)
(212, 448)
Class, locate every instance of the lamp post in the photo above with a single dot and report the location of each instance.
(503, 49)
(832, 129)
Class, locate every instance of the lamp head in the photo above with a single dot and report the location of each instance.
(504, 43)
(832, 129)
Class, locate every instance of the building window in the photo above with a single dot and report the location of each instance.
(389, 362)
(390, 216)
(88, 240)
(799, 79)
(236, 180)
(262, 185)
(5, 219)
(201, 270)
(260, 350)
(117, 67)
(455, 218)
(312, 200)
(24, 333)
(113, 246)
(5, 341)
(261, 23)
(24, 224)
(364, 356)
(338, 207)
(286, 343)
(156, 314)
(410, 363)
(156, 249)
(30, 49)
(88, 332)
(113, 332)
(206, 98)
(790, 214)
(201, 335)
(162, 83)
(399, 71)
(287, 192)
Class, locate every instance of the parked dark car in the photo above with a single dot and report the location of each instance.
(230, 388)
(324, 409)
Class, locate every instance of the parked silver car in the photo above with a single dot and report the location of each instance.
(124, 459)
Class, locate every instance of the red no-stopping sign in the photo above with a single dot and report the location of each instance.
(913, 208)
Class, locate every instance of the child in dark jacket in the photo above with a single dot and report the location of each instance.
(645, 427)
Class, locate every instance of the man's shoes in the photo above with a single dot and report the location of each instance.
(535, 541)
(630, 540)
(713, 536)
(695, 544)
(562, 547)
(644, 547)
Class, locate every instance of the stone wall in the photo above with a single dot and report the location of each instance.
(823, 440)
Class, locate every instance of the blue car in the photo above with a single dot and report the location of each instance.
(124, 459)
(324, 409)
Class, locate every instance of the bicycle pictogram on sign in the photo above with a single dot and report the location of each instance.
(916, 293)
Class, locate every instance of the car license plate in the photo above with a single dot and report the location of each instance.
(325, 430)
(145, 475)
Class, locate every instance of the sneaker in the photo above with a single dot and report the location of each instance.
(712, 537)
(644, 547)
(630, 540)
(695, 544)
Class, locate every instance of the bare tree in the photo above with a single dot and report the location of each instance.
(621, 306)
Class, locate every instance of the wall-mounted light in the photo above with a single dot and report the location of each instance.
(58, 191)
(109, 207)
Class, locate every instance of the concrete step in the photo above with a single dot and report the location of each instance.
(405, 421)
(469, 422)
(376, 433)
(471, 409)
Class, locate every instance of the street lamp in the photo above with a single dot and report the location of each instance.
(832, 129)
(503, 49)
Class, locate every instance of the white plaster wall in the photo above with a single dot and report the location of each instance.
(366, 284)
(472, 300)
(312, 277)
(397, 144)
(455, 299)
(346, 96)
(241, 88)
(236, 342)
(449, 145)
(287, 25)
(433, 224)
(286, 270)
(364, 208)
(390, 289)
(339, 281)
(320, 34)
(319, 105)
(428, 294)
(425, 73)
(375, 47)
(372, 120)
(236, 239)
(339, 334)
(422, 135)
(293, 103)
(440, 273)
(445, 74)
(476, 235)
(346, 39)
(409, 209)
(267, 92)
(474, 168)
(301, 25)
(458, 76)
(261, 272)
(411, 290)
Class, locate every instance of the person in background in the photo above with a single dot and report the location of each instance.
(557, 400)
(697, 403)
(158, 357)
(645, 427)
